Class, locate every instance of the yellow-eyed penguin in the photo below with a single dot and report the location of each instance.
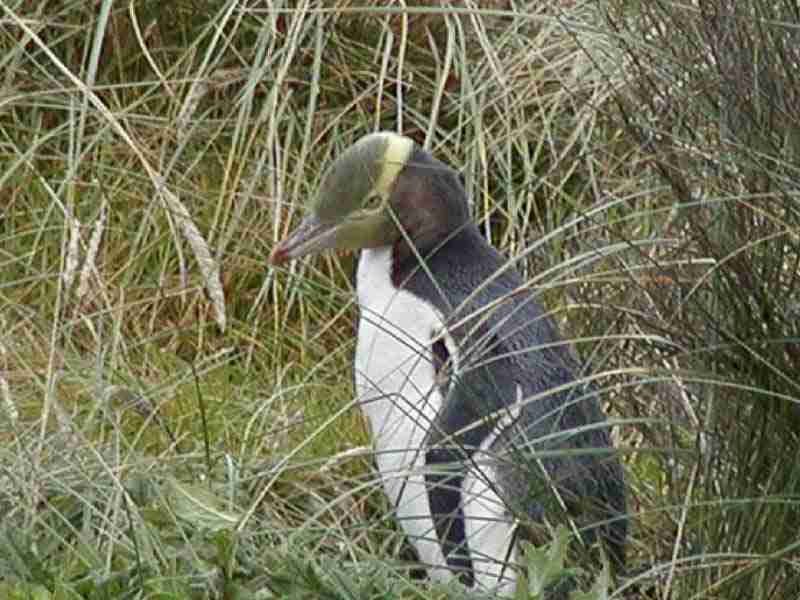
(479, 420)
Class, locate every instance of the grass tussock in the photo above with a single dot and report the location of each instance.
(176, 418)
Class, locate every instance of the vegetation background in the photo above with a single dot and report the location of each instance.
(176, 417)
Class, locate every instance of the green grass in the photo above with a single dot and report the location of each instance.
(176, 417)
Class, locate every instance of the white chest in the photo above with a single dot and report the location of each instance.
(394, 378)
(394, 372)
(395, 386)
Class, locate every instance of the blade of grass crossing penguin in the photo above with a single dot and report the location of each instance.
(478, 417)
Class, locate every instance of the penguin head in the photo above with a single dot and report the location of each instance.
(381, 190)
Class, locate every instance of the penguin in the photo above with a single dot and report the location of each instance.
(481, 425)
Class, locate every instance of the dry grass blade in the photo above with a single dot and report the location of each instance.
(89, 269)
(209, 268)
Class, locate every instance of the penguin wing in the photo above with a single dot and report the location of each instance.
(517, 417)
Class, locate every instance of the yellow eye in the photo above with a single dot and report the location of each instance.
(372, 202)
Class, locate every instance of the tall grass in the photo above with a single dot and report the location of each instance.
(712, 102)
(176, 418)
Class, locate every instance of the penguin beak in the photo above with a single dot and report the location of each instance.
(310, 237)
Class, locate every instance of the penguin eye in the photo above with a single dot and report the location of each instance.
(372, 202)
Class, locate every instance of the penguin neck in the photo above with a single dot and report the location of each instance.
(408, 256)
(384, 271)
(385, 267)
